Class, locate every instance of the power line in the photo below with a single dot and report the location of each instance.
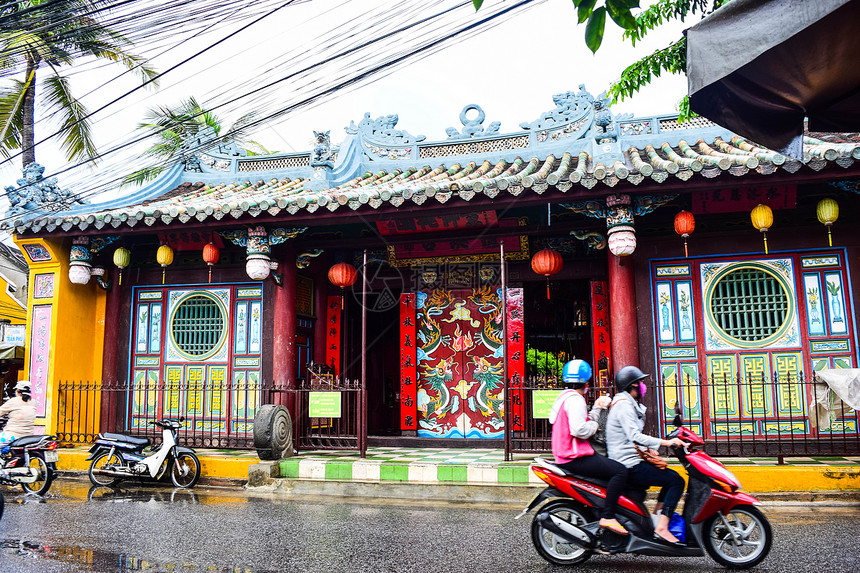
(358, 65)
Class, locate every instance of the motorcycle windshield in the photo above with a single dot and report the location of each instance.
(713, 469)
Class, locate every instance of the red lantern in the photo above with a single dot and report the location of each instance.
(547, 262)
(342, 275)
(211, 254)
(685, 224)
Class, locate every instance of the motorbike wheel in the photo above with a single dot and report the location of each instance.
(753, 531)
(104, 460)
(186, 470)
(553, 548)
(39, 487)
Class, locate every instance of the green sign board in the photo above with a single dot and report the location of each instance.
(542, 402)
(324, 404)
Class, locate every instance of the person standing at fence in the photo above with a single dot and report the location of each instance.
(21, 412)
(572, 425)
(624, 437)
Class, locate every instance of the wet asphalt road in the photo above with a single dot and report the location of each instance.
(144, 528)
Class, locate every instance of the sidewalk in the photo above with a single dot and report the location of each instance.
(385, 471)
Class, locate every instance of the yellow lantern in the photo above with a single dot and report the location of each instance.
(762, 219)
(828, 212)
(121, 258)
(164, 256)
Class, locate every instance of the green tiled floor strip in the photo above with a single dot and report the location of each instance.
(433, 465)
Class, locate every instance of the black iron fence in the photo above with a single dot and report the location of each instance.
(536, 433)
(327, 432)
(216, 415)
(758, 415)
(737, 415)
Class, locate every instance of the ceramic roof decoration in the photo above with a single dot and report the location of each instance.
(577, 151)
(35, 192)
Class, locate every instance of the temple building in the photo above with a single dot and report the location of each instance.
(701, 257)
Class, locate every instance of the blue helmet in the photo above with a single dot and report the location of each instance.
(576, 372)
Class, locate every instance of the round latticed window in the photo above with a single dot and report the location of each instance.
(749, 305)
(198, 327)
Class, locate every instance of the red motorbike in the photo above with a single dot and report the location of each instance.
(718, 518)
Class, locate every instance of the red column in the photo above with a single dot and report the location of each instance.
(110, 354)
(284, 357)
(320, 299)
(622, 313)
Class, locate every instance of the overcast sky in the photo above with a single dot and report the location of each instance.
(511, 71)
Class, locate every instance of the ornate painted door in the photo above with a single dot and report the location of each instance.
(460, 369)
(735, 336)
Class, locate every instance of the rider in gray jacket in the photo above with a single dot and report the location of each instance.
(624, 432)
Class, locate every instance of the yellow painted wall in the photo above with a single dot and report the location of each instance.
(77, 334)
(9, 307)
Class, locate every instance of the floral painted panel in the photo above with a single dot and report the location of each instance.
(835, 303)
(255, 336)
(814, 302)
(665, 316)
(686, 320)
(37, 253)
(460, 368)
(142, 327)
(241, 336)
(43, 286)
(155, 329)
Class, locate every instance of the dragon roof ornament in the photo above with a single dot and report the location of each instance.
(205, 141)
(570, 107)
(34, 192)
(381, 130)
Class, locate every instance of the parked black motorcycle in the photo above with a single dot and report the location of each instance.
(30, 462)
(116, 457)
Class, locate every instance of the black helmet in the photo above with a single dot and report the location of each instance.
(628, 376)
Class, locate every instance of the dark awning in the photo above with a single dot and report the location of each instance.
(11, 352)
(759, 67)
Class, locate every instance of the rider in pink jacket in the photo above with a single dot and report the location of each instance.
(571, 428)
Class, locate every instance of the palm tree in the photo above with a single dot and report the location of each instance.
(49, 35)
(172, 126)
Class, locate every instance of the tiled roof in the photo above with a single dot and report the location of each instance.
(566, 172)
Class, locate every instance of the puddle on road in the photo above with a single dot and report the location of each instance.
(105, 561)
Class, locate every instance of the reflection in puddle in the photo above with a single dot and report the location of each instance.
(105, 561)
(118, 495)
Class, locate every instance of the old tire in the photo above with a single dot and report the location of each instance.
(273, 432)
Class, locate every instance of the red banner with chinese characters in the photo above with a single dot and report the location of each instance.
(600, 332)
(432, 223)
(332, 334)
(516, 355)
(744, 199)
(408, 364)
